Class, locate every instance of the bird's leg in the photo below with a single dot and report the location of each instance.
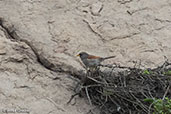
(88, 72)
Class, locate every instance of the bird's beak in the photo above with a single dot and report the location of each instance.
(78, 55)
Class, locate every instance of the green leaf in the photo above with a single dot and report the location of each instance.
(146, 72)
(149, 100)
(168, 73)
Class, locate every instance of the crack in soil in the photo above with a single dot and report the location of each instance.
(10, 33)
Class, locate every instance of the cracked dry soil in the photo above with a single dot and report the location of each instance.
(29, 86)
(40, 38)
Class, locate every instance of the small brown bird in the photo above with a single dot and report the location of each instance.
(91, 61)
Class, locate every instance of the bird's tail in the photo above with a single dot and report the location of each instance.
(109, 57)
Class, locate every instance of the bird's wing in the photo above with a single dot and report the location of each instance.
(93, 57)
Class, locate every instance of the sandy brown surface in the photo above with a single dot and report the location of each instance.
(40, 38)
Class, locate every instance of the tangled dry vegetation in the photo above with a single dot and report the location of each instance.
(128, 91)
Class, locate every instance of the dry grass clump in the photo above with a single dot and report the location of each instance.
(128, 91)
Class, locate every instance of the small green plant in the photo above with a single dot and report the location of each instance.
(168, 73)
(160, 106)
(146, 72)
